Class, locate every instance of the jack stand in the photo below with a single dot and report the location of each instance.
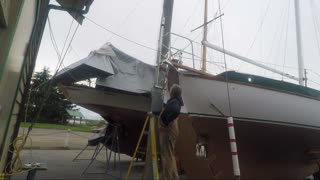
(115, 143)
(151, 170)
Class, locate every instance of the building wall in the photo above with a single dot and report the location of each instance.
(14, 41)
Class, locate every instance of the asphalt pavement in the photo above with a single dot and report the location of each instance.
(48, 148)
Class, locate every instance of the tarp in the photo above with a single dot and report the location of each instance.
(113, 69)
(130, 74)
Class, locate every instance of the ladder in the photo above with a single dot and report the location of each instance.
(151, 164)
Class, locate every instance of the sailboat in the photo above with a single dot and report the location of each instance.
(276, 123)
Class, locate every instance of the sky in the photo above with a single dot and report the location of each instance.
(263, 30)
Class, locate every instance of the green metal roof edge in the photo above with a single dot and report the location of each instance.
(271, 83)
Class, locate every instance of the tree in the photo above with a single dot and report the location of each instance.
(52, 100)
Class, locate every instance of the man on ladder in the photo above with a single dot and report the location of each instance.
(168, 133)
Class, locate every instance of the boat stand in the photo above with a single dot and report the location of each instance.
(115, 149)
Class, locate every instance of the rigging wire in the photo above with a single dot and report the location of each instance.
(286, 37)
(317, 74)
(279, 30)
(261, 24)
(314, 82)
(187, 21)
(315, 23)
(225, 63)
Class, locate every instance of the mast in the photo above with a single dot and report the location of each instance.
(205, 29)
(163, 50)
(299, 43)
(151, 171)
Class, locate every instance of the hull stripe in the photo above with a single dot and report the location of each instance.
(230, 124)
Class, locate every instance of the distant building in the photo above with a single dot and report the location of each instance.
(77, 117)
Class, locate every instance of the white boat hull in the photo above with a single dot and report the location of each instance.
(210, 97)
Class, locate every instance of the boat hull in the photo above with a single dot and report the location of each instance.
(210, 97)
(274, 130)
(127, 111)
(272, 143)
(268, 151)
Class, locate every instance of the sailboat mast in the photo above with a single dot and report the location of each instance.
(163, 51)
(299, 42)
(205, 30)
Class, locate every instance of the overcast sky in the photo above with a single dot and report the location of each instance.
(263, 30)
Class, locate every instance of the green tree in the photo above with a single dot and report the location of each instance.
(50, 97)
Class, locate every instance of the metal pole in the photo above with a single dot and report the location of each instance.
(205, 29)
(217, 48)
(66, 142)
(299, 42)
(305, 78)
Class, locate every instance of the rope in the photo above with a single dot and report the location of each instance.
(225, 62)
(16, 164)
(23, 139)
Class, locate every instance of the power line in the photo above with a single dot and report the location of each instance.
(128, 15)
(129, 40)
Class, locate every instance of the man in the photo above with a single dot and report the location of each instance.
(168, 132)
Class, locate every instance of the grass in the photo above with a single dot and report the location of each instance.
(81, 128)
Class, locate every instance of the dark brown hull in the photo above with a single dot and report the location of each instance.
(266, 151)
(129, 121)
